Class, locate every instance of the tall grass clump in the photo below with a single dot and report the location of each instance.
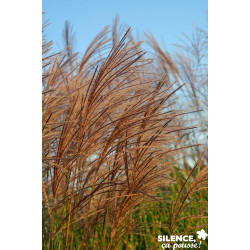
(189, 65)
(111, 142)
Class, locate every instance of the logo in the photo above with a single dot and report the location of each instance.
(182, 241)
(202, 234)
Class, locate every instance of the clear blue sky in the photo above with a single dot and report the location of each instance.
(165, 19)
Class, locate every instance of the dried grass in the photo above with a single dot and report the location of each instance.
(111, 134)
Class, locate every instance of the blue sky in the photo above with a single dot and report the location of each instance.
(165, 19)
